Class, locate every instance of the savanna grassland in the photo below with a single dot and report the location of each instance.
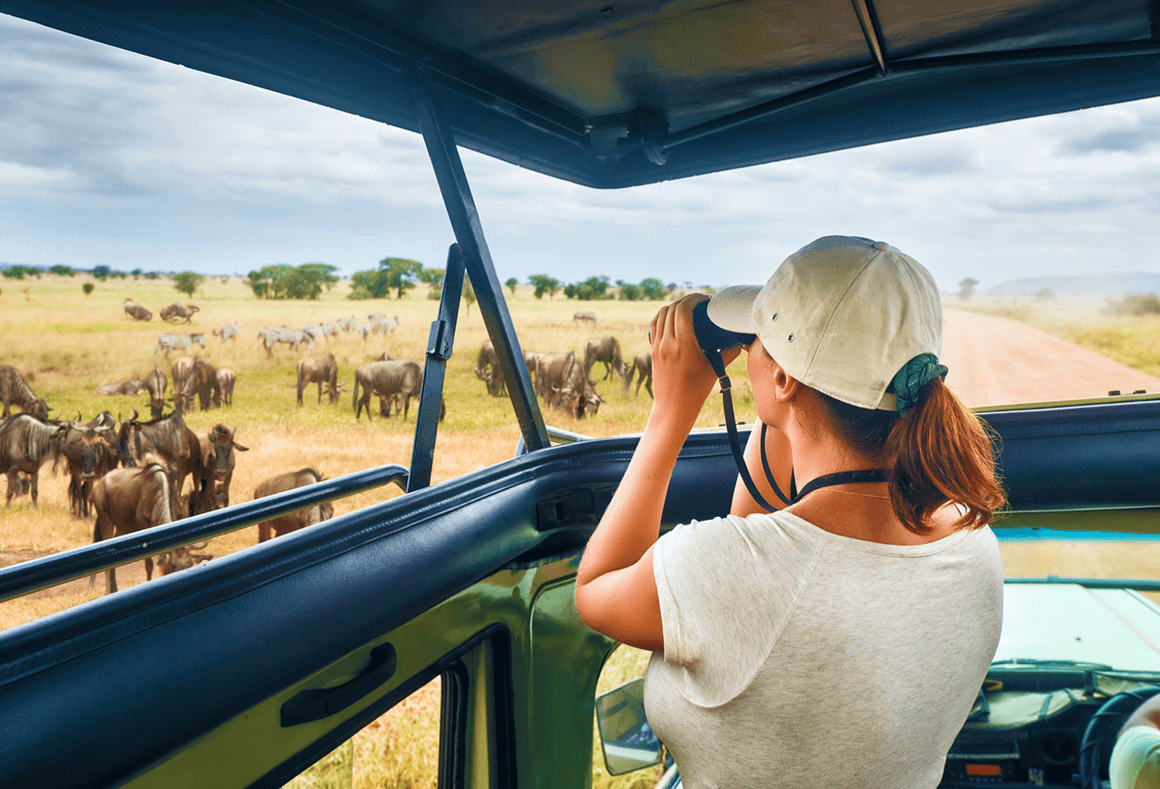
(67, 344)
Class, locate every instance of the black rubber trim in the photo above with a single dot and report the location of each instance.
(318, 703)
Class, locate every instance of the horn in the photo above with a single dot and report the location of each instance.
(136, 416)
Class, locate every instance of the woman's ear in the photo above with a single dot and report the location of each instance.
(785, 386)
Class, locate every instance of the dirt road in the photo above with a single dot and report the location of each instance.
(994, 361)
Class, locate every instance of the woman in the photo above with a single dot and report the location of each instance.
(842, 640)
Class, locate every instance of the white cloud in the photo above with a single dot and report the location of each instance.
(106, 157)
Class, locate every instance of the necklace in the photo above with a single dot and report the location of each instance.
(864, 495)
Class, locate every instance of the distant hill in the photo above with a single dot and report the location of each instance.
(1092, 284)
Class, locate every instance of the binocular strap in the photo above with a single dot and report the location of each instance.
(735, 443)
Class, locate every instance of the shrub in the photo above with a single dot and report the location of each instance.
(1135, 304)
(88, 288)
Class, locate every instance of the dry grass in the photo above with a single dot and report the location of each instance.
(399, 750)
(70, 344)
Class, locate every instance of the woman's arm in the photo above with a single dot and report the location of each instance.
(777, 449)
(616, 592)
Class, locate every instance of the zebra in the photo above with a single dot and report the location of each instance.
(228, 331)
(170, 342)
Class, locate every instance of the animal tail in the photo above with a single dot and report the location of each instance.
(354, 403)
(628, 376)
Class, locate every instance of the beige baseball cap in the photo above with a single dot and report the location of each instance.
(842, 315)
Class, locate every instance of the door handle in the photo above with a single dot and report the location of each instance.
(316, 704)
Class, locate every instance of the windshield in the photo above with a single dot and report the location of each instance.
(125, 174)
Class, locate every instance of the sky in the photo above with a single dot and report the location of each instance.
(111, 158)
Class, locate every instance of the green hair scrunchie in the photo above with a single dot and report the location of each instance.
(914, 375)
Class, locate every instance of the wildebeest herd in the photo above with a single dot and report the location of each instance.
(130, 474)
(562, 380)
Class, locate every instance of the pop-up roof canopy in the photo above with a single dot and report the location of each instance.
(611, 93)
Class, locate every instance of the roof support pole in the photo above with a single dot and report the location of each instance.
(476, 257)
(440, 343)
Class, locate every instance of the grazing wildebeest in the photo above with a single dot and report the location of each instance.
(180, 371)
(25, 444)
(130, 387)
(171, 440)
(588, 318)
(226, 380)
(606, 350)
(129, 500)
(155, 384)
(487, 369)
(284, 524)
(641, 364)
(402, 376)
(137, 312)
(90, 450)
(319, 369)
(228, 331)
(563, 384)
(217, 457)
(14, 390)
(170, 342)
(201, 382)
(175, 312)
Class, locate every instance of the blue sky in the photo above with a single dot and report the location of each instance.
(110, 158)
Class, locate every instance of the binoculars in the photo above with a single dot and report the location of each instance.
(711, 337)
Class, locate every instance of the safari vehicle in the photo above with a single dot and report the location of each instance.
(246, 670)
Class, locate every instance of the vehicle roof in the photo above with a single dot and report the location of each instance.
(601, 93)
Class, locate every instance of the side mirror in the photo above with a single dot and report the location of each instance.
(629, 742)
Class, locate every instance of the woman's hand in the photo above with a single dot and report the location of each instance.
(682, 376)
(616, 591)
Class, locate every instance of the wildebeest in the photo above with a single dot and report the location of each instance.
(563, 384)
(217, 456)
(136, 311)
(155, 384)
(642, 364)
(90, 450)
(129, 500)
(175, 312)
(228, 331)
(171, 440)
(588, 318)
(284, 524)
(201, 382)
(14, 390)
(180, 371)
(25, 444)
(130, 387)
(487, 369)
(606, 350)
(226, 380)
(169, 342)
(319, 369)
(401, 376)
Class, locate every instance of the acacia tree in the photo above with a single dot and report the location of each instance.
(433, 277)
(544, 284)
(187, 282)
(967, 288)
(511, 283)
